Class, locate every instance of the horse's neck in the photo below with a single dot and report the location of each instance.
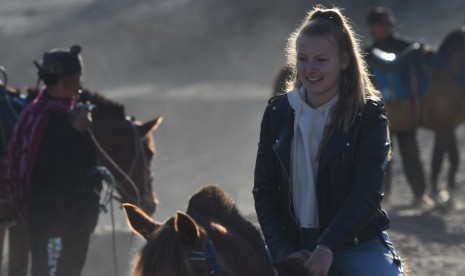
(230, 242)
(109, 131)
(106, 121)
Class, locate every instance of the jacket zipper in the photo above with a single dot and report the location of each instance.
(289, 194)
(343, 169)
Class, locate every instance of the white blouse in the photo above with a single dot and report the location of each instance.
(309, 127)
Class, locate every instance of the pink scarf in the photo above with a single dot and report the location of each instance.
(23, 147)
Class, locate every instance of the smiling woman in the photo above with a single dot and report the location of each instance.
(323, 149)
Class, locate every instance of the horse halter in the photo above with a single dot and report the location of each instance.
(206, 256)
(139, 152)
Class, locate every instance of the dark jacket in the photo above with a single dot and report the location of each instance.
(393, 44)
(349, 180)
(64, 193)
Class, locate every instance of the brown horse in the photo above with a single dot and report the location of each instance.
(126, 149)
(442, 109)
(212, 238)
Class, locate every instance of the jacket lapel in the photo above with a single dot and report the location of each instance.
(282, 144)
(337, 144)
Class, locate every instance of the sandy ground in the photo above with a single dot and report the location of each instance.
(195, 62)
(431, 241)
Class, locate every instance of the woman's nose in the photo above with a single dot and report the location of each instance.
(309, 66)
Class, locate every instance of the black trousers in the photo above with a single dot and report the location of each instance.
(19, 244)
(59, 235)
(413, 168)
(59, 255)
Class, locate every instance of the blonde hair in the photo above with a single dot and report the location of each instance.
(356, 87)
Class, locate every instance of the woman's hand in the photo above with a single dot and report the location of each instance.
(320, 261)
(299, 256)
(293, 264)
(81, 117)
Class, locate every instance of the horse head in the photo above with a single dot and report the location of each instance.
(450, 58)
(442, 107)
(211, 237)
(178, 246)
(142, 176)
(127, 149)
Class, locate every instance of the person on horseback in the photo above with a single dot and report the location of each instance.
(49, 167)
(381, 21)
(322, 153)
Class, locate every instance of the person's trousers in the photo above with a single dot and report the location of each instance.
(413, 168)
(62, 255)
(19, 244)
(368, 258)
(372, 257)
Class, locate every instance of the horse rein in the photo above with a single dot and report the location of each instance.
(208, 255)
(140, 151)
(126, 176)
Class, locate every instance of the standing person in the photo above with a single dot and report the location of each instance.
(323, 149)
(381, 21)
(49, 164)
(18, 247)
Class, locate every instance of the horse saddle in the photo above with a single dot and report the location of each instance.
(396, 62)
(401, 76)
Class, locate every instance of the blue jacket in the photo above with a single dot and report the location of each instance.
(349, 180)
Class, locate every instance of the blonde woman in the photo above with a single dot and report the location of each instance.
(323, 150)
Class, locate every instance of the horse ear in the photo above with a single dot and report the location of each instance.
(150, 126)
(187, 228)
(139, 222)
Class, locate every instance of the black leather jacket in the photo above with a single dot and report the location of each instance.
(349, 180)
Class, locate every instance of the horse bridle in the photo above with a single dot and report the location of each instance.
(205, 256)
(140, 152)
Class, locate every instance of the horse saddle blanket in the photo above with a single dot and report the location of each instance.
(399, 76)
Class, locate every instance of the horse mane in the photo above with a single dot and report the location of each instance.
(213, 203)
(454, 41)
(167, 247)
(102, 103)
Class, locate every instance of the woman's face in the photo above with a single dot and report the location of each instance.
(380, 32)
(319, 65)
(72, 84)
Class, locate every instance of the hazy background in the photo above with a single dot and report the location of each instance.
(205, 65)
